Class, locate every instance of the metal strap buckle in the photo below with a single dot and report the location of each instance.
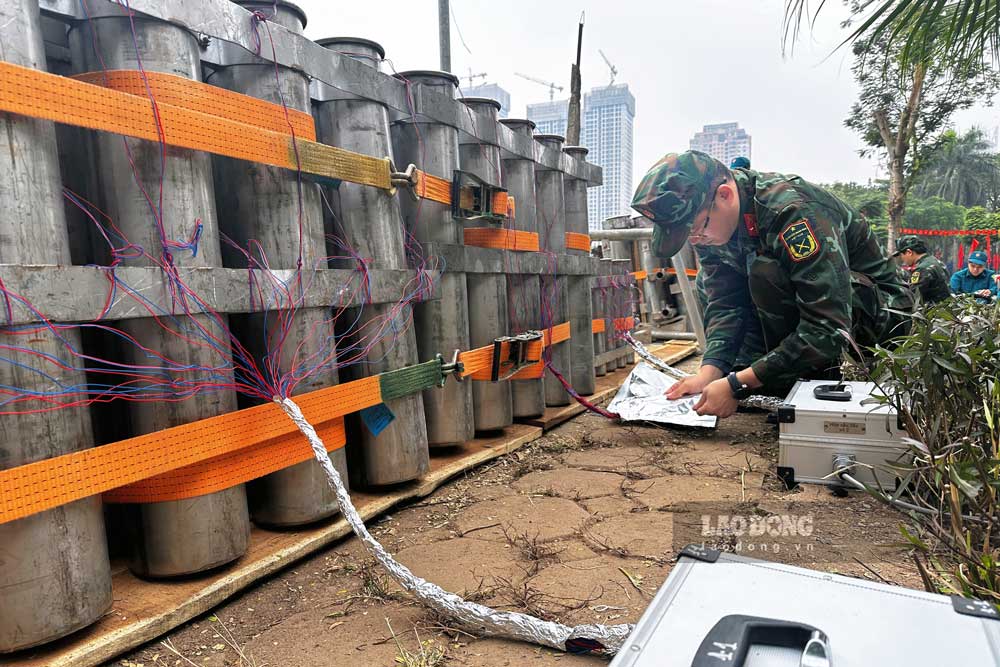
(455, 366)
(481, 208)
(406, 179)
(517, 354)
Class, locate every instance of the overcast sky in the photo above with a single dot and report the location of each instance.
(687, 62)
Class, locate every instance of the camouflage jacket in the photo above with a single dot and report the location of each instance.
(929, 279)
(819, 241)
(729, 310)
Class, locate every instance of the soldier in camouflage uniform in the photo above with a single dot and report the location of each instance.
(817, 269)
(738, 255)
(928, 276)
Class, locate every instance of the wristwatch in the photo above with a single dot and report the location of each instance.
(740, 390)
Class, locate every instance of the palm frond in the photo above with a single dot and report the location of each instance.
(962, 32)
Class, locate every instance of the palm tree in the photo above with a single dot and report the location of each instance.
(962, 170)
(964, 30)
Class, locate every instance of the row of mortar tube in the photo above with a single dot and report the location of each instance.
(76, 533)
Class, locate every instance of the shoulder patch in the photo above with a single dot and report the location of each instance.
(800, 241)
(915, 277)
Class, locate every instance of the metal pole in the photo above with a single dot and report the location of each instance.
(691, 305)
(573, 119)
(55, 577)
(638, 233)
(444, 34)
(663, 334)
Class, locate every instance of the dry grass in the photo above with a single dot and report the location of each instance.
(428, 654)
(375, 584)
(223, 633)
(530, 548)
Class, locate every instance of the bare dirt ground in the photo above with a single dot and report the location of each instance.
(580, 526)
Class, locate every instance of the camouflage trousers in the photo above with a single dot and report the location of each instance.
(752, 347)
(774, 297)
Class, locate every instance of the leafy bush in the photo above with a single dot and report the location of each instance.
(944, 380)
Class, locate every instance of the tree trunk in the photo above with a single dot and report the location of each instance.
(897, 203)
(897, 145)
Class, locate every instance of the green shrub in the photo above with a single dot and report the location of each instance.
(944, 380)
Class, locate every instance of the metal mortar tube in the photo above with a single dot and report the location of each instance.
(185, 536)
(369, 221)
(55, 576)
(524, 290)
(600, 340)
(551, 213)
(488, 317)
(582, 375)
(262, 203)
(442, 324)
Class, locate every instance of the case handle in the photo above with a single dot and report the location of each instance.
(729, 641)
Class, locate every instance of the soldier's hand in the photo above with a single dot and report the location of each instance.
(694, 383)
(983, 292)
(689, 385)
(717, 399)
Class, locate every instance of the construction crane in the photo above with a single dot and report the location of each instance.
(552, 87)
(472, 77)
(611, 67)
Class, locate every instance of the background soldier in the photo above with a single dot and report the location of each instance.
(928, 277)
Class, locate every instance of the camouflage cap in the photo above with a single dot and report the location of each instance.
(909, 242)
(673, 192)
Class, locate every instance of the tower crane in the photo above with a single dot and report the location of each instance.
(472, 77)
(552, 87)
(611, 67)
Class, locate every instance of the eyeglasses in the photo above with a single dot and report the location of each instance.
(703, 227)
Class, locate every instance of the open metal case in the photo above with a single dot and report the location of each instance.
(718, 609)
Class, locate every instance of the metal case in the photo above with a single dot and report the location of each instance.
(719, 609)
(813, 431)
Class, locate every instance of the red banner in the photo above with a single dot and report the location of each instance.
(950, 232)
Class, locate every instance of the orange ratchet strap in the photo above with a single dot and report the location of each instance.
(598, 326)
(207, 99)
(438, 189)
(577, 241)
(624, 324)
(213, 454)
(478, 362)
(203, 117)
(192, 451)
(500, 238)
(38, 94)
